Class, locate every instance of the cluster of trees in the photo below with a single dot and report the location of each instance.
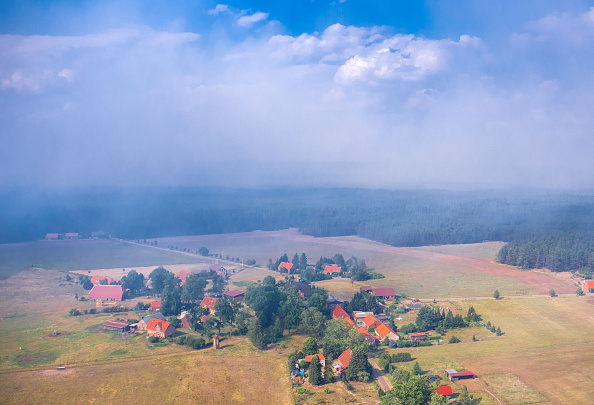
(192, 341)
(493, 329)
(433, 318)
(556, 251)
(385, 359)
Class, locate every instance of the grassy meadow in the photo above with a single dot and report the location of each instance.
(69, 255)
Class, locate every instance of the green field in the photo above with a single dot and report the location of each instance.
(84, 255)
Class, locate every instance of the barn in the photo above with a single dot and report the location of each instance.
(455, 375)
(106, 293)
(234, 295)
(119, 326)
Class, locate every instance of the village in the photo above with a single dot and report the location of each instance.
(375, 328)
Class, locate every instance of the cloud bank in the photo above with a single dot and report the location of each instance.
(347, 106)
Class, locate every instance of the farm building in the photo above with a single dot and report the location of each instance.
(455, 376)
(384, 331)
(52, 236)
(161, 329)
(417, 335)
(234, 295)
(338, 312)
(344, 359)
(119, 326)
(371, 321)
(217, 269)
(332, 270)
(320, 356)
(302, 288)
(154, 307)
(384, 293)
(413, 307)
(366, 288)
(182, 275)
(360, 315)
(333, 300)
(96, 280)
(106, 293)
(142, 324)
(71, 235)
(589, 285)
(445, 390)
(285, 265)
(209, 303)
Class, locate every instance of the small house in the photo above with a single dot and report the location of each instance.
(589, 285)
(332, 270)
(185, 320)
(71, 235)
(445, 390)
(384, 293)
(413, 307)
(155, 306)
(160, 329)
(142, 324)
(417, 336)
(371, 321)
(455, 375)
(371, 340)
(209, 303)
(302, 288)
(234, 295)
(285, 265)
(384, 331)
(344, 359)
(338, 312)
(52, 236)
(320, 356)
(183, 275)
(333, 300)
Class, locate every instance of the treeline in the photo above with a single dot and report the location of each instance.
(556, 251)
(398, 218)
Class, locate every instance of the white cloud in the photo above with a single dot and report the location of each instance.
(249, 20)
(66, 74)
(220, 8)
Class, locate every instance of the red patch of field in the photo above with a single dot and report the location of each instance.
(51, 335)
(539, 281)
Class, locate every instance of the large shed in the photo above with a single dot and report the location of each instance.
(455, 375)
(106, 292)
(119, 326)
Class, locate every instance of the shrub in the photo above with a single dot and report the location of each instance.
(401, 357)
(92, 311)
(302, 390)
(74, 312)
(153, 339)
(454, 339)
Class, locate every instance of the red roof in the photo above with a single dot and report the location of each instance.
(338, 312)
(51, 236)
(182, 275)
(117, 324)
(106, 292)
(464, 374)
(363, 331)
(71, 234)
(383, 292)
(203, 318)
(97, 280)
(332, 269)
(417, 334)
(445, 390)
(370, 321)
(589, 284)
(345, 358)
(383, 331)
(208, 302)
(163, 325)
(308, 358)
(155, 305)
(286, 265)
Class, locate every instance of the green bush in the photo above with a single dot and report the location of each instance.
(401, 357)
(153, 339)
(454, 339)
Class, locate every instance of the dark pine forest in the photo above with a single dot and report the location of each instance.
(543, 229)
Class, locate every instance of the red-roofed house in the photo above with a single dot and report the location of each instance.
(96, 280)
(320, 356)
(287, 266)
(158, 328)
(366, 288)
(209, 303)
(182, 275)
(338, 312)
(234, 295)
(344, 359)
(332, 270)
(417, 335)
(445, 390)
(185, 320)
(371, 340)
(71, 235)
(106, 293)
(371, 321)
(154, 307)
(52, 236)
(385, 293)
(589, 285)
(383, 331)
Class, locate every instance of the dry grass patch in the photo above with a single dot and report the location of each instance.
(511, 390)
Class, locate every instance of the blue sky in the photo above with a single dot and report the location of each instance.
(435, 94)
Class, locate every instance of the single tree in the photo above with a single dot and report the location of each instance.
(291, 311)
(552, 293)
(496, 294)
(315, 372)
(310, 346)
(256, 334)
(313, 322)
(302, 262)
(464, 398)
(498, 331)
(358, 363)
(225, 311)
(157, 278)
(329, 374)
(417, 369)
(454, 339)
(203, 251)
(437, 399)
(193, 288)
(579, 291)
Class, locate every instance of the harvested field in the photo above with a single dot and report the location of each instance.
(511, 390)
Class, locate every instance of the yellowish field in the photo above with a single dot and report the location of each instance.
(548, 345)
